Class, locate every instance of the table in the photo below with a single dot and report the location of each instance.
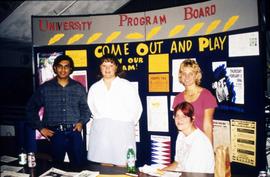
(120, 170)
(184, 174)
(44, 165)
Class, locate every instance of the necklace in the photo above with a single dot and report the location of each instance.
(191, 94)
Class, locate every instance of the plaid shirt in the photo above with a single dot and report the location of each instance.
(62, 105)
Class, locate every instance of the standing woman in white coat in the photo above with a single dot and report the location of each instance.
(116, 108)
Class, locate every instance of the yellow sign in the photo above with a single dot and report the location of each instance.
(158, 63)
(159, 83)
(79, 57)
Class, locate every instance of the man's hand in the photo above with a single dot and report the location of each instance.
(47, 133)
(78, 126)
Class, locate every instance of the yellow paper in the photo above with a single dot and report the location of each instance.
(159, 63)
(79, 57)
(158, 82)
(243, 141)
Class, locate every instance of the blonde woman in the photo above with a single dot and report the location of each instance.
(202, 99)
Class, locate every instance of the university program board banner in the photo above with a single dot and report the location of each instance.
(191, 20)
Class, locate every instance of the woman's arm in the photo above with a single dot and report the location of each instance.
(208, 123)
(170, 167)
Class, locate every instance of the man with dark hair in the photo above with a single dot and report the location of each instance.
(65, 112)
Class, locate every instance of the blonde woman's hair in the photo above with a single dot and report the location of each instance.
(196, 68)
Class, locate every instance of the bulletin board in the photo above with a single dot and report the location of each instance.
(222, 36)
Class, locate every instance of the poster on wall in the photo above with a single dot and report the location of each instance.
(157, 114)
(236, 75)
(79, 57)
(221, 84)
(160, 150)
(80, 76)
(228, 86)
(45, 65)
(246, 44)
(243, 141)
(158, 83)
(221, 134)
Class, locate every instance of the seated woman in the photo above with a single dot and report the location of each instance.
(194, 151)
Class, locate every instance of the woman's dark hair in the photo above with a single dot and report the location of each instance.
(60, 58)
(114, 60)
(186, 108)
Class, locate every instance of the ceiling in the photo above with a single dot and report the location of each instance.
(15, 26)
(15, 16)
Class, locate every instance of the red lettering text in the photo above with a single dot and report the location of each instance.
(194, 13)
(46, 25)
(126, 20)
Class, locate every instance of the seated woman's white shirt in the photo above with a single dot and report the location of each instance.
(194, 153)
